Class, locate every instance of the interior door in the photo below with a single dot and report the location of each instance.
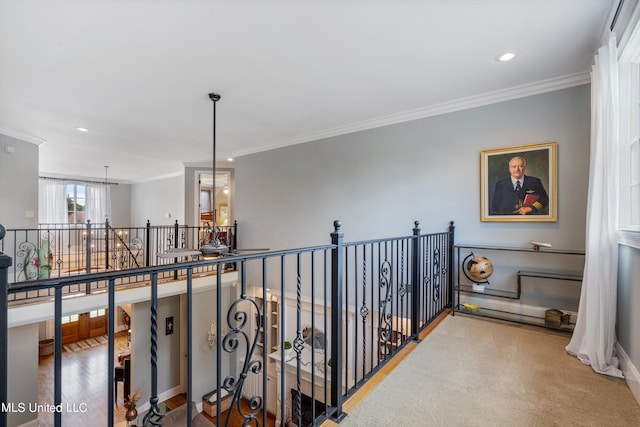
(76, 327)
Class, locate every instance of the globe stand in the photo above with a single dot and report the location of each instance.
(478, 284)
(477, 287)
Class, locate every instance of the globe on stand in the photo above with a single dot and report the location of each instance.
(477, 269)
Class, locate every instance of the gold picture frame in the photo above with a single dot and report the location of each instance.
(536, 197)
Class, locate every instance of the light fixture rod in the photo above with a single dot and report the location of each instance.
(215, 97)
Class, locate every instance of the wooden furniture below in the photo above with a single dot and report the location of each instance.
(123, 374)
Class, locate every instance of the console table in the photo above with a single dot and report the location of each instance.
(574, 276)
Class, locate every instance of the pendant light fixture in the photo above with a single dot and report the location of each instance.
(106, 192)
(214, 247)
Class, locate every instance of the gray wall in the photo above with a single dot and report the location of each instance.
(378, 182)
(18, 183)
(23, 374)
(121, 206)
(168, 361)
(159, 201)
(169, 350)
(204, 356)
(628, 302)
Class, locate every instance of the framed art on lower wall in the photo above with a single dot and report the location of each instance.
(518, 184)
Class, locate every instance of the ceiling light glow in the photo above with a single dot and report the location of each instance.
(229, 159)
(507, 56)
(80, 129)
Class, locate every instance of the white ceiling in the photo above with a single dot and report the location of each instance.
(137, 73)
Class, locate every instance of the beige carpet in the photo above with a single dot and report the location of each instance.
(476, 372)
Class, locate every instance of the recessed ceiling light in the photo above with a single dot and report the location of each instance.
(507, 56)
(82, 129)
(229, 159)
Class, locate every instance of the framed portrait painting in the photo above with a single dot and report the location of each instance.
(518, 184)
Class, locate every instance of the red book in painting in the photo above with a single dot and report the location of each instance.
(530, 199)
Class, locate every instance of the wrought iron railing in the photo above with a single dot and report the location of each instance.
(348, 308)
(62, 250)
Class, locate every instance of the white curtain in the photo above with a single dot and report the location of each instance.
(594, 335)
(52, 202)
(98, 207)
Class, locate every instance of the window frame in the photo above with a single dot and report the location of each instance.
(74, 199)
(629, 136)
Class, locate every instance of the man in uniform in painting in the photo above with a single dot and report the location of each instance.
(519, 194)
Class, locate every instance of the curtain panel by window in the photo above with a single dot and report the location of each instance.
(594, 336)
(52, 202)
(98, 197)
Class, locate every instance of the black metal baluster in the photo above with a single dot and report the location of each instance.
(110, 350)
(57, 360)
(298, 343)
(153, 416)
(5, 264)
(337, 257)
(364, 311)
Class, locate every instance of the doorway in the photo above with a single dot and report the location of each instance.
(222, 213)
(76, 327)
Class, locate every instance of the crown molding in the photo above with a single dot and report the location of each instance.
(22, 136)
(461, 104)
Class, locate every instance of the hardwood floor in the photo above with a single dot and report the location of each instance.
(84, 380)
(84, 386)
(236, 419)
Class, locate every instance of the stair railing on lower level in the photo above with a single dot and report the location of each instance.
(347, 308)
(60, 250)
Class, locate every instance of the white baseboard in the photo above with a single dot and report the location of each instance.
(631, 374)
(161, 398)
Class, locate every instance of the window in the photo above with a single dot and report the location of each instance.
(634, 182)
(73, 202)
(76, 203)
(97, 313)
(629, 90)
(70, 318)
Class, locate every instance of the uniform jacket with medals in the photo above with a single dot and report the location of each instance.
(506, 201)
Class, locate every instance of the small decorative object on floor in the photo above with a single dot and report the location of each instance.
(210, 401)
(473, 308)
(556, 317)
(130, 404)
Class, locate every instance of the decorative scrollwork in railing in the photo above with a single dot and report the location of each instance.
(436, 274)
(426, 277)
(402, 290)
(237, 320)
(364, 310)
(183, 239)
(25, 256)
(33, 262)
(385, 306)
